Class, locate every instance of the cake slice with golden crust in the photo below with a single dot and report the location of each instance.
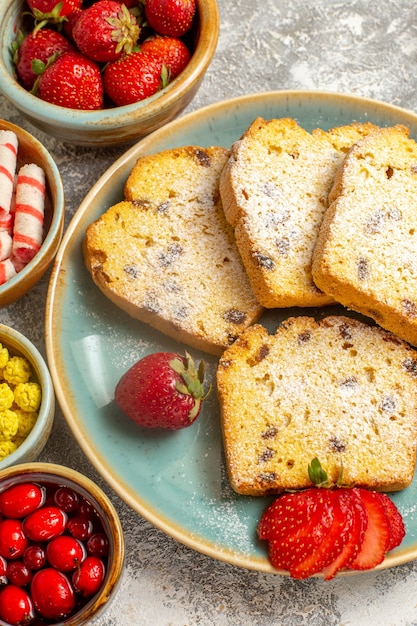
(167, 256)
(338, 390)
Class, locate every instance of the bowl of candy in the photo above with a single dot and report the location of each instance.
(32, 211)
(127, 68)
(27, 399)
(61, 547)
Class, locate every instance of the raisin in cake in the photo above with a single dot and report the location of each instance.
(337, 389)
(166, 254)
(274, 190)
(366, 252)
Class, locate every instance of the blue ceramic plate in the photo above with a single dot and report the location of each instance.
(177, 481)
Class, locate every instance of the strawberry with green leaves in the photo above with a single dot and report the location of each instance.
(32, 52)
(170, 17)
(162, 390)
(134, 77)
(71, 81)
(328, 528)
(172, 51)
(53, 11)
(105, 31)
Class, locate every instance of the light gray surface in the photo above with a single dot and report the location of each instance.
(364, 47)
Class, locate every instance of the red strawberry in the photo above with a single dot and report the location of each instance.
(53, 11)
(396, 522)
(172, 51)
(162, 390)
(70, 23)
(105, 30)
(326, 530)
(133, 77)
(39, 45)
(376, 539)
(356, 521)
(170, 17)
(71, 81)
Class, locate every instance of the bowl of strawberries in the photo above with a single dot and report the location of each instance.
(103, 72)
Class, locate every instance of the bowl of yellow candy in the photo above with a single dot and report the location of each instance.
(27, 399)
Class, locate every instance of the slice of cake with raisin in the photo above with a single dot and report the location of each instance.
(274, 190)
(337, 389)
(366, 252)
(166, 254)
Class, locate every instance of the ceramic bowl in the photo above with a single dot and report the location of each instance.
(18, 345)
(120, 124)
(30, 150)
(52, 477)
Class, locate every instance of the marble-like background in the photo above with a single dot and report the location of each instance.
(362, 47)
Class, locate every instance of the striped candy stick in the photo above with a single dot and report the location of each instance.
(29, 212)
(8, 158)
(7, 270)
(5, 245)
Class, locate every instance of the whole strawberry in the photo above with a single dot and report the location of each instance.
(172, 51)
(170, 17)
(133, 77)
(162, 390)
(105, 30)
(71, 81)
(37, 46)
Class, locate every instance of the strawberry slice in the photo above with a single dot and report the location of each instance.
(356, 521)
(289, 524)
(287, 514)
(396, 523)
(377, 535)
(332, 530)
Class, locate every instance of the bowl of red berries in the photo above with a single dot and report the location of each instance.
(32, 211)
(61, 547)
(103, 72)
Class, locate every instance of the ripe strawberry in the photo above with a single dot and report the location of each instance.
(326, 530)
(70, 22)
(172, 51)
(376, 540)
(133, 77)
(71, 81)
(105, 30)
(53, 11)
(170, 17)
(39, 45)
(162, 390)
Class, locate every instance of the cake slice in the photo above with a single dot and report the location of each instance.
(338, 390)
(166, 254)
(366, 252)
(274, 190)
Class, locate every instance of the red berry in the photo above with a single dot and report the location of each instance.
(98, 545)
(20, 500)
(88, 579)
(54, 8)
(162, 390)
(16, 606)
(52, 594)
(377, 536)
(80, 528)
(13, 540)
(170, 17)
(172, 52)
(132, 78)
(72, 81)
(34, 556)
(45, 523)
(18, 573)
(65, 553)
(35, 50)
(105, 30)
(66, 499)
